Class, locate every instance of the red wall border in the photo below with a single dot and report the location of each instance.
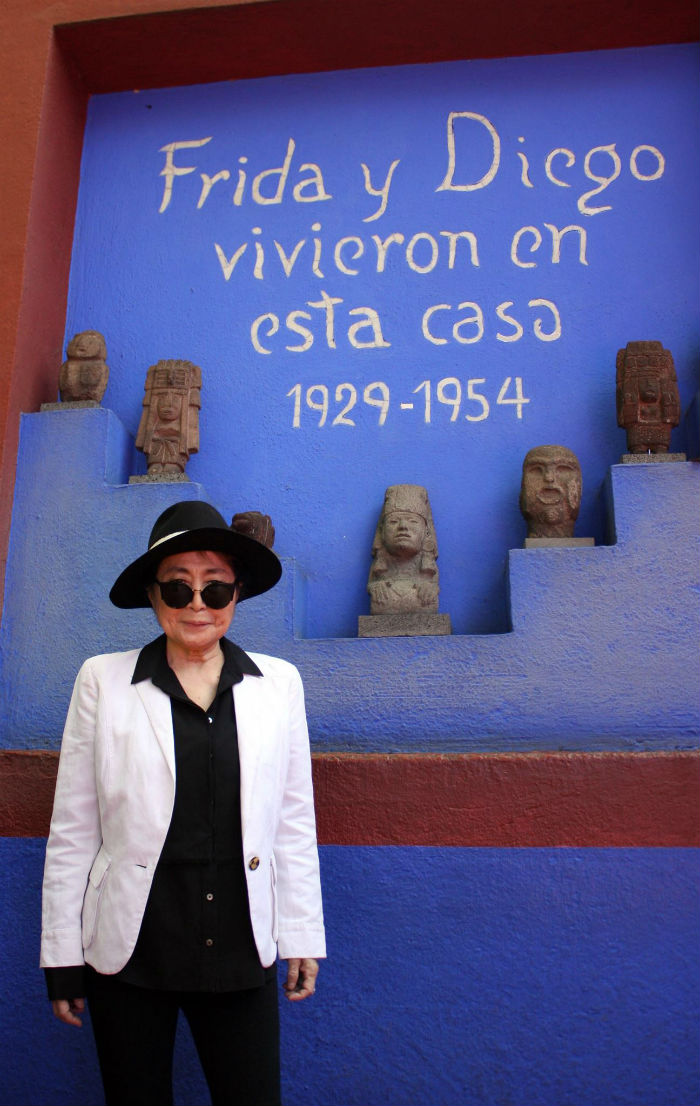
(487, 800)
(242, 40)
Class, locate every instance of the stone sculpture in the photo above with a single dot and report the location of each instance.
(403, 579)
(84, 374)
(404, 575)
(648, 403)
(169, 429)
(550, 492)
(255, 525)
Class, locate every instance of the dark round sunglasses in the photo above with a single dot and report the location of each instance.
(177, 594)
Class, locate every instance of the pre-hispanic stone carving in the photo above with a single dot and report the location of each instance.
(550, 492)
(255, 525)
(403, 579)
(84, 374)
(648, 403)
(169, 429)
(404, 574)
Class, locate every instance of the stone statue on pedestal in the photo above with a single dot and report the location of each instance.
(84, 374)
(169, 429)
(648, 403)
(404, 574)
(403, 579)
(550, 495)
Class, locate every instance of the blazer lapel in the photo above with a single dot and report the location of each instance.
(157, 706)
(249, 704)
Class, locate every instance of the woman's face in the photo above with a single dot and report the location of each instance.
(196, 627)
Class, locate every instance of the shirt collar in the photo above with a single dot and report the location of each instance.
(152, 663)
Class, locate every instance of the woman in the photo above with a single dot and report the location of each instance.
(182, 850)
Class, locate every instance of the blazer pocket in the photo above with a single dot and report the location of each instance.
(93, 893)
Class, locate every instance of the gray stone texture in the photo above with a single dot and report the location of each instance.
(406, 624)
(650, 458)
(70, 405)
(558, 543)
(161, 478)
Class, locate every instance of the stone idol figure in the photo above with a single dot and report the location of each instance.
(84, 374)
(550, 496)
(403, 579)
(648, 403)
(169, 429)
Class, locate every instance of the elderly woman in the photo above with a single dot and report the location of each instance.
(182, 851)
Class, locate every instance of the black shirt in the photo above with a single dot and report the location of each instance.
(196, 933)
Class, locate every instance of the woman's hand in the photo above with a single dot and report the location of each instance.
(301, 978)
(67, 1010)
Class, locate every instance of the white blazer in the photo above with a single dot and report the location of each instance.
(114, 800)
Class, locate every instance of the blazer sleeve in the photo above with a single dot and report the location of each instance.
(300, 913)
(75, 834)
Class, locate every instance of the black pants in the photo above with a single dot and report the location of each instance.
(236, 1035)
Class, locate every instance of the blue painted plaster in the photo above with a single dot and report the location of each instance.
(487, 977)
(692, 428)
(601, 655)
(151, 280)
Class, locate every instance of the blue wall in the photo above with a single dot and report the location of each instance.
(480, 976)
(561, 977)
(149, 277)
(484, 977)
(593, 629)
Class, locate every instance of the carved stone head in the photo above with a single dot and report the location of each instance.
(405, 527)
(88, 345)
(254, 524)
(550, 492)
(84, 374)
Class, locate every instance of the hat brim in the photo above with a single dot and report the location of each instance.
(259, 566)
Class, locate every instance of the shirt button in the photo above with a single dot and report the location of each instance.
(209, 720)
(209, 942)
(210, 897)
(254, 863)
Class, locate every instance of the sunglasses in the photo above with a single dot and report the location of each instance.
(177, 594)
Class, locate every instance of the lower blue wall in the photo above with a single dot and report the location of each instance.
(456, 977)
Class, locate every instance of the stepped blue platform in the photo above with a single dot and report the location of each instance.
(602, 654)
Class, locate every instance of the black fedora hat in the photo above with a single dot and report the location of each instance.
(188, 526)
